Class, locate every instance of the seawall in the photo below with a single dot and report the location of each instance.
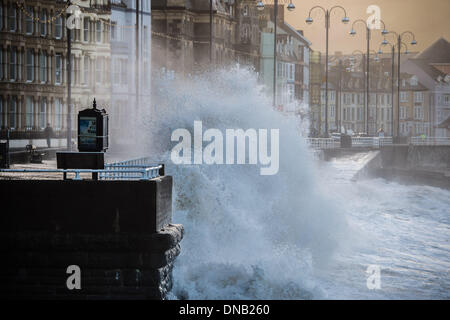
(119, 233)
(411, 164)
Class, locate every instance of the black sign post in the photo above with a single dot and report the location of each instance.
(93, 141)
(93, 130)
(4, 151)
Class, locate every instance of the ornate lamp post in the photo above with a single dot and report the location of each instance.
(309, 20)
(399, 48)
(368, 37)
(210, 31)
(69, 83)
(365, 60)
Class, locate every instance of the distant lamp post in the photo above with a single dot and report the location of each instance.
(309, 20)
(399, 45)
(210, 31)
(69, 83)
(368, 37)
(366, 92)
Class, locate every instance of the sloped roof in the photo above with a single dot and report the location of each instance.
(428, 68)
(438, 52)
(445, 123)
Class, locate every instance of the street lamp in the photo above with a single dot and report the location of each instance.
(309, 20)
(69, 82)
(368, 36)
(399, 48)
(291, 6)
(384, 43)
(260, 7)
(366, 92)
(210, 31)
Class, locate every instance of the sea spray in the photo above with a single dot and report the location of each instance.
(247, 236)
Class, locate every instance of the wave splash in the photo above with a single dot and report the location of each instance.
(247, 236)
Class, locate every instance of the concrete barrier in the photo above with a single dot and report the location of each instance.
(119, 234)
(411, 164)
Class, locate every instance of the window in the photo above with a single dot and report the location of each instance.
(114, 29)
(418, 96)
(146, 40)
(29, 115)
(72, 69)
(124, 71)
(19, 63)
(86, 29)
(58, 114)
(58, 69)
(43, 113)
(29, 20)
(30, 65)
(418, 113)
(146, 75)
(1, 113)
(332, 95)
(98, 71)
(12, 18)
(86, 70)
(43, 22)
(245, 11)
(12, 64)
(403, 96)
(403, 114)
(447, 99)
(12, 113)
(43, 67)
(58, 27)
(116, 71)
(98, 31)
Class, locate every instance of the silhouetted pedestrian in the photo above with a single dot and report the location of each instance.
(48, 134)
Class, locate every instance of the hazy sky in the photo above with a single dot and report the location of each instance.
(427, 19)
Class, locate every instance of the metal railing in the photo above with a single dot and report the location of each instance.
(330, 143)
(323, 143)
(136, 169)
(131, 170)
(430, 141)
(375, 142)
(371, 142)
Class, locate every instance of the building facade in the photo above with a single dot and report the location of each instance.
(292, 68)
(181, 34)
(347, 96)
(129, 79)
(33, 87)
(432, 69)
